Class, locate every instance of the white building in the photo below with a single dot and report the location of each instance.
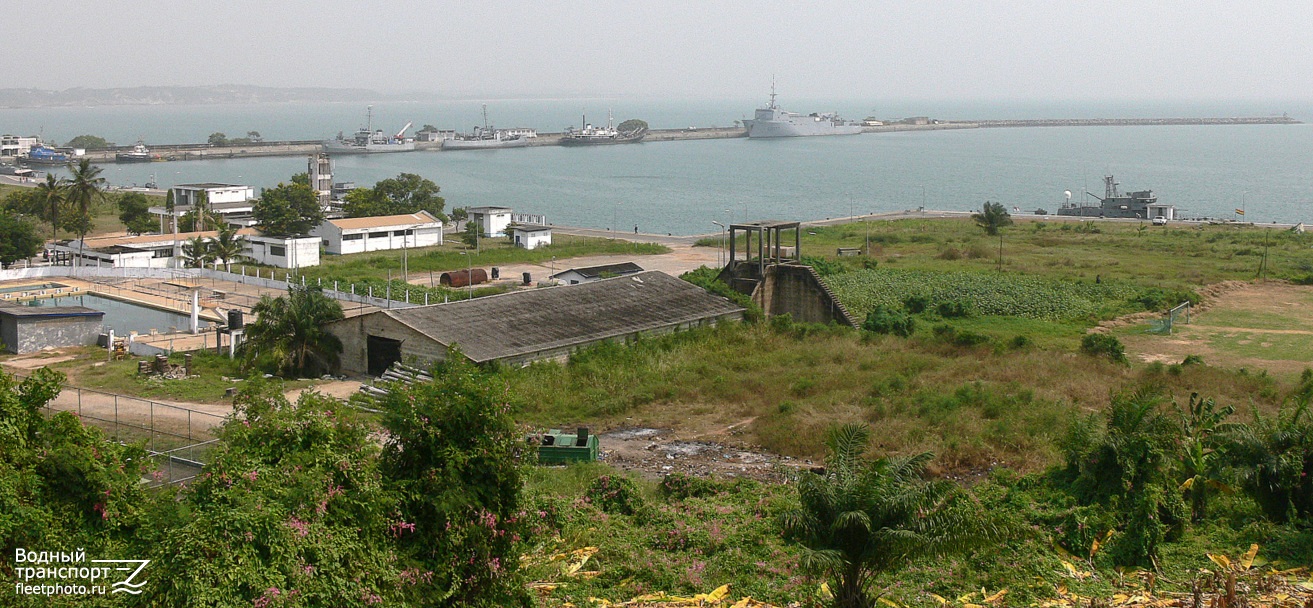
(226, 202)
(165, 250)
(320, 171)
(492, 221)
(522, 132)
(17, 145)
(438, 135)
(362, 234)
(531, 236)
(576, 276)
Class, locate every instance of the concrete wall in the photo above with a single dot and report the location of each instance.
(297, 252)
(354, 334)
(532, 240)
(334, 243)
(30, 335)
(797, 290)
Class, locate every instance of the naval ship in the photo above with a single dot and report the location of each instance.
(368, 141)
(771, 121)
(484, 138)
(589, 135)
(1142, 204)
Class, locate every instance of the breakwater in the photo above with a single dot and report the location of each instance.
(306, 147)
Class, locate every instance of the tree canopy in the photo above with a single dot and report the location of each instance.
(992, 217)
(18, 238)
(288, 210)
(218, 139)
(288, 333)
(405, 193)
(89, 142)
(134, 212)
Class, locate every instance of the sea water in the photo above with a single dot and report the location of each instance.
(681, 187)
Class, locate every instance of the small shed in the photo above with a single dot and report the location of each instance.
(492, 221)
(531, 236)
(575, 276)
(26, 329)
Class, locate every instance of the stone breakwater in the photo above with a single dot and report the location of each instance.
(303, 148)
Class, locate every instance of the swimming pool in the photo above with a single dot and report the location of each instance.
(124, 317)
(33, 288)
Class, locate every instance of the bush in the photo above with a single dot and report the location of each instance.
(1192, 360)
(1104, 345)
(885, 320)
(615, 494)
(956, 309)
(681, 486)
(956, 337)
(916, 304)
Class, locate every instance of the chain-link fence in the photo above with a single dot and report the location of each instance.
(178, 439)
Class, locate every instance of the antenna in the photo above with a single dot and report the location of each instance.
(772, 91)
(485, 117)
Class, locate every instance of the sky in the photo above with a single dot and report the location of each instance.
(927, 49)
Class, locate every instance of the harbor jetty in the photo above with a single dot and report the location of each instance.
(171, 152)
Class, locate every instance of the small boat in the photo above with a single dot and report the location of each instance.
(589, 135)
(139, 154)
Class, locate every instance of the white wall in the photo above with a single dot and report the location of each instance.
(296, 252)
(532, 240)
(493, 224)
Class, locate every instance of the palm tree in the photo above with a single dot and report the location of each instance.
(228, 246)
(289, 331)
(52, 194)
(200, 212)
(197, 251)
(85, 187)
(861, 517)
(992, 218)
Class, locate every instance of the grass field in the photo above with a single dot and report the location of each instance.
(1262, 326)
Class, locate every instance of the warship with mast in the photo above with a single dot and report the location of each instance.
(1114, 203)
(771, 121)
(369, 141)
(485, 138)
(589, 135)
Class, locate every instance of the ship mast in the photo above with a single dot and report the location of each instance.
(772, 92)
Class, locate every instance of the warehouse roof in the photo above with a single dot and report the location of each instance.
(407, 219)
(29, 312)
(521, 323)
(593, 272)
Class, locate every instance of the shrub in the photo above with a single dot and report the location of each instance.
(950, 253)
(1192, 360)
(681, 486)
(916, 304)
(1019, 342)
(956, 337)
(615, 494)
(1105, 345)
(886, 320)
(954, 309)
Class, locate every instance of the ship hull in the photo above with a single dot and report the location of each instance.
(608, 141)
(336, 147)
(483, 144)
(130, 157)
(766, 129)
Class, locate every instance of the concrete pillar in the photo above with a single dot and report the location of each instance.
(195, 311)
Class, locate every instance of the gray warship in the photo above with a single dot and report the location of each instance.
(367, 140)
(1142, 204)
(771, 121)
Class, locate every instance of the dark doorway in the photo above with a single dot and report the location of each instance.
(381, 353)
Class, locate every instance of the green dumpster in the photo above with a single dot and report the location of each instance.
(560, 447)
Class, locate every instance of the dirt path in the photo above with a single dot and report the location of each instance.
(717, 454)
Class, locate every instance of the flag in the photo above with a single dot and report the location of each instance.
(1240, 211)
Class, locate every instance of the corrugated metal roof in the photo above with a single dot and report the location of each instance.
(521, 323)
(354, 223)
(592, 272)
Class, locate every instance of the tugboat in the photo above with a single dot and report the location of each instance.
(1142, 204)
(139, 154)
(588, 135)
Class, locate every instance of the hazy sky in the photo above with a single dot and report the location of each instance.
(976, 49)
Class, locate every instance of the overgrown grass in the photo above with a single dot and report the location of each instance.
(1177, 256)
(454, 255)
(216, 374)
(975, 406)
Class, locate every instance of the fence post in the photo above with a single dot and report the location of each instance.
(79, 394)
(116, 411)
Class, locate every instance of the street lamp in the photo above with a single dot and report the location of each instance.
(720, 249)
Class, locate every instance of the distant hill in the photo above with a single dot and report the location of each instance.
(217, 94)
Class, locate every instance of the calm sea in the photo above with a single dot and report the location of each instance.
(681, 187)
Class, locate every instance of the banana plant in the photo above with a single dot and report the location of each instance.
(1202, 424)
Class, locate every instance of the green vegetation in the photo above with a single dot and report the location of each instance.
(492, 252)
(134, 212)
(288, 334)
(89, 142)
(288, 209)
(405, 193)
(18, 239)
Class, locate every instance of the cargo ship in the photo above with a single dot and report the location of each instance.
(484, 138)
